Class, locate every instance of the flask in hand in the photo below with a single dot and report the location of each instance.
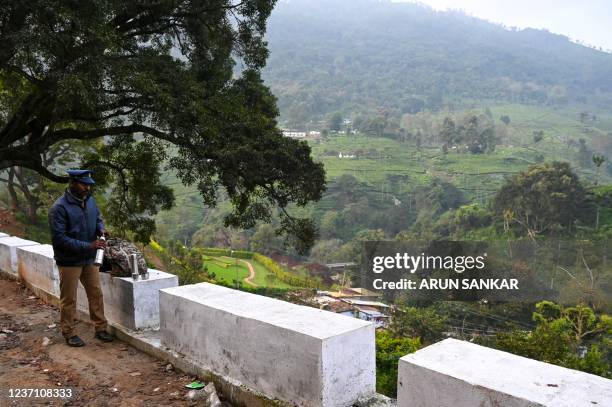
(100, 254)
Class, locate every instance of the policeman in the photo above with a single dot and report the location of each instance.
(75, 223)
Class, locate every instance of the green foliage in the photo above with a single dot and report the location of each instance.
(544, 199)
(240, 254)
(265, 240)
(286, 276)
(183, 262)
(335, 122)
(389, 350)
(459, 222)
(326, 251)
(424, 323)
(132, 170)
(561, 334)
(165, 71)
(432, 60)
(38, 232)
(478, 136)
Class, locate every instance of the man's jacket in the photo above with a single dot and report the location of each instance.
(74, 224)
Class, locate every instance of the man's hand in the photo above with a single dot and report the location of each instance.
(97, 244)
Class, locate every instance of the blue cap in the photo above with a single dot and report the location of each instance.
(83, 176)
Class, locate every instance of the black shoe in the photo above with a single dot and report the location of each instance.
(75, 341)
(104, 336)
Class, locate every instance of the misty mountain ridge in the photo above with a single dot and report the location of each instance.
(366, 56)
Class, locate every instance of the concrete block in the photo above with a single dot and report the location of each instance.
(8, 252)
(133, 304)
(37, 267)
(461, 374)
(297, 354)
(3, 235)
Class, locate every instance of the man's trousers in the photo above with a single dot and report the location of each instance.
(69, 281)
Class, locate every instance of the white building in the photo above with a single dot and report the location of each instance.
(294, 134)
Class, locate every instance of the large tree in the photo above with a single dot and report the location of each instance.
(543, 200)
(181, 75)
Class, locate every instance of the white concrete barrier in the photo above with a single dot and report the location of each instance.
(37, 267)
(133, 304)
(461, 374)
(3, 235)
(297, 354)
(8, 252)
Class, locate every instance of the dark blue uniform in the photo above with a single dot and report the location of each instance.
(74, 224)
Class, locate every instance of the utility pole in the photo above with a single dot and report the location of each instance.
(235, 267)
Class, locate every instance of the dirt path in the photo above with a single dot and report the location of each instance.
(251, 276)
(99, 373)
(249, 279)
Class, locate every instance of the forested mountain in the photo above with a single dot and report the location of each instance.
(367, 57)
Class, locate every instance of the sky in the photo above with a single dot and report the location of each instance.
(589, 21)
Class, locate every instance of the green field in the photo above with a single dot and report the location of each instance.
(382, 157)
(379, 161)
(237, 269)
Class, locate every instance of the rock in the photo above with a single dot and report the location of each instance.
(195, 395)
(2, 337)
(134, 374)
(46, 341)
(51, 326)
(156, 389)
(377, 400)
(213, 399)
(118, 252)
(210, 388)
(6, 331)
(169, 367)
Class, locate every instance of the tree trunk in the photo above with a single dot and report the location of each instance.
(11, 189)
(32, 203)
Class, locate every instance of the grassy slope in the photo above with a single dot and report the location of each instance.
(240, 269)
(468, 170)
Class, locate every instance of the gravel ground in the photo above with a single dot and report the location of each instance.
(33, 354)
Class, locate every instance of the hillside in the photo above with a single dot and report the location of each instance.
(367, 57)
(393, 73)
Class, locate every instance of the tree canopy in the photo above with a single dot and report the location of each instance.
(182, 77)
(541, 200)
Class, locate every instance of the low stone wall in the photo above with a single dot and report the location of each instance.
(454, 373)
(302, 355)
(133, 304)
(37, 267)
(8, 252)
